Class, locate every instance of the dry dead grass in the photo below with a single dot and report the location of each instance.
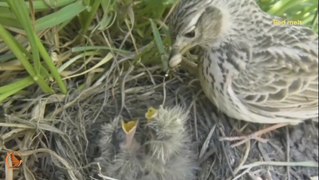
(56, 135)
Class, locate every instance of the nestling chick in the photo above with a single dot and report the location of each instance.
(168, 131)
(120, 155)
(156, 150)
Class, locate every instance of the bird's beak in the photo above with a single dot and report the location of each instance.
(129, 129)
(178, 49)
(151, 114)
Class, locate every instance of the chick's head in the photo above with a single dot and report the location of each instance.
(168, 131)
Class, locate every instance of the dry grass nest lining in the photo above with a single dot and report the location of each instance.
(56, 135)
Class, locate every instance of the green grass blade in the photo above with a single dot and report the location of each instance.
(41, 5)
(21, 11)
(36, 45)
(281, 6)
(13, 88)
(7, 18)
(88, 17)
(22, 57)
(65, 14)
(47, 59)
(160, 45)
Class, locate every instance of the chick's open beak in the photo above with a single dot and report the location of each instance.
(151, 114)
(129, 129)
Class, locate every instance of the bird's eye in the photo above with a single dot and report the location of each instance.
(190, 34)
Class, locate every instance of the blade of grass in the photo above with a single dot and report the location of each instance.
(21, 11)
(16, 85)
(89, 16)
(279, 7)
(109, 15)
(37, 47)
(282, 6)
(315, 22)
(105, 60)
(41, 5)
(7, 18)
(122, 52)
(77, 58)
(160, 45)
(22, 57)
(49, 62)
(65, 14)
(9, 22)
(13, 88)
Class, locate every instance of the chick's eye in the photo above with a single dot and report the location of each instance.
(190, 34)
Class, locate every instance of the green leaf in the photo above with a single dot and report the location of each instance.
(63, 15)
(13, 88)
(160, 45)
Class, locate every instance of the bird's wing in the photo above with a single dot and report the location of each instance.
(281, 73)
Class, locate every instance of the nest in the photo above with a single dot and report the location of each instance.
(56, 136)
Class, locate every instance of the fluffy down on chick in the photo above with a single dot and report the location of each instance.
(158, 149)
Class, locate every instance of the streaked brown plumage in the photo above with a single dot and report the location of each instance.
(249, 68)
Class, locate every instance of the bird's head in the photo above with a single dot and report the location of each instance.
(123, 137)
(151, 114)
(194, 23)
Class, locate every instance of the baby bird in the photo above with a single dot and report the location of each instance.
(157, 149)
